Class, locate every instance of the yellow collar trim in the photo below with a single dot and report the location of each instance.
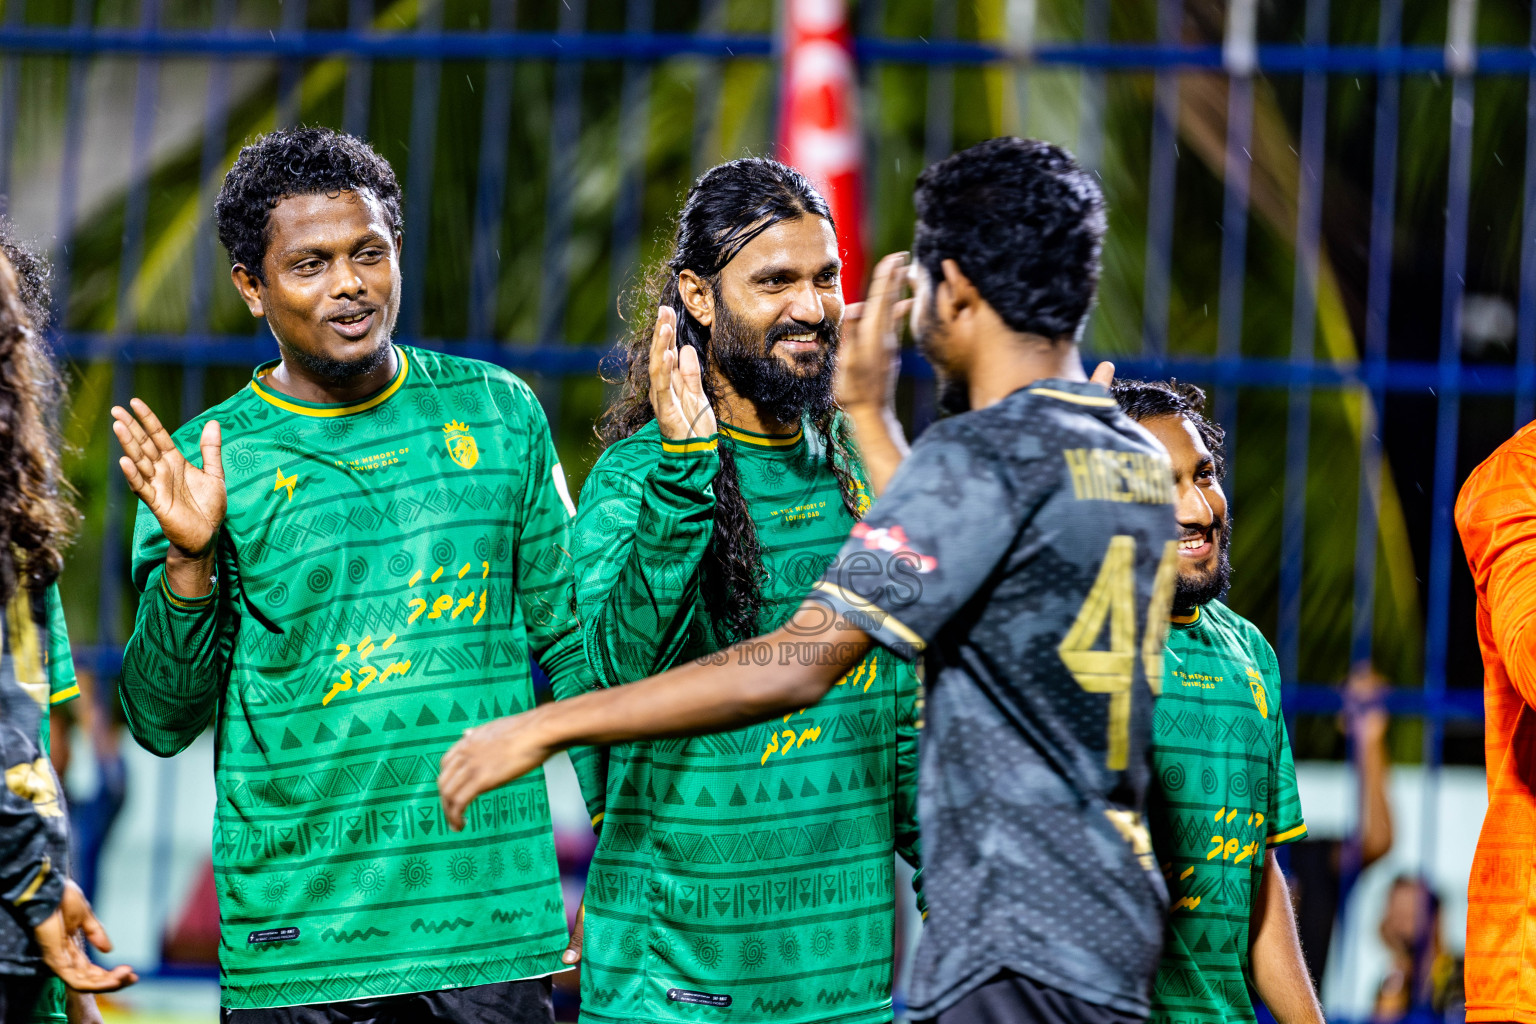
(340, 410)
(1067, 396)
(763, 440)
(1186, 620)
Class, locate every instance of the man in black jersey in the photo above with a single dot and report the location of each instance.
(1025, 549)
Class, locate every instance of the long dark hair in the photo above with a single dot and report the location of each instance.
(725, 209)
(36, 519)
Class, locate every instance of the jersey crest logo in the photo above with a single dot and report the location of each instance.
(286, 481)
(1256, 684)
(893, 539)
(861, 500)
(461, 445)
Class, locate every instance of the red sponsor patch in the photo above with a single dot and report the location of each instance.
(893, 539)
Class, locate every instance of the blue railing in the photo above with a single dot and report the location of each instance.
(1447, 379)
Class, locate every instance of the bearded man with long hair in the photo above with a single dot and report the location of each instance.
(753, 869)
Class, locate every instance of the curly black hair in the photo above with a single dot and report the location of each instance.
(296, 162)
(32, 274)
(727, 207)
(36, 517)
(1149, 399)
(1025, 224)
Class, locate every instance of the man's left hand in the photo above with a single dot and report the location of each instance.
(488, 756)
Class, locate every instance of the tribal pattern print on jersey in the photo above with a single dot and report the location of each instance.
(745, 875)
(1225, 792)
(386, 571)
(1027, 549)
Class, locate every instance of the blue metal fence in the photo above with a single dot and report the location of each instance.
(639, 49)
(427, 44)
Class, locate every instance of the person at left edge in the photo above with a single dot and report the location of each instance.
(344, 565)
(54, 677)
(44, 908)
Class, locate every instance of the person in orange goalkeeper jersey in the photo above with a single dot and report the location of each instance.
(1496, 516)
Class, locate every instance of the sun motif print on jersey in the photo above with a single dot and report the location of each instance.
(746, 873)
(385, 570)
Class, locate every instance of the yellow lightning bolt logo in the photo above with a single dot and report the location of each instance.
(286, 481)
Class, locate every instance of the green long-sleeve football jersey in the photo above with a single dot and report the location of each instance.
(748, 872)
(386, 570)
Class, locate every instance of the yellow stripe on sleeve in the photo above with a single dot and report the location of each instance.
(680, 447)
(1289, 834)
(903, 632)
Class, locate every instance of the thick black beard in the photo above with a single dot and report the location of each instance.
(337, 371)
(1212, 586)
(745, 358)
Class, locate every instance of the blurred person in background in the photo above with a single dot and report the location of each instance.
(56, 1002)
(1323, 872)
(1496, 517)
(91, 817)
(728, 484)
(1225, 792)
(343, 565)
(1423, 974)
(39, 943)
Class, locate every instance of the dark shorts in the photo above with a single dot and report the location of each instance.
(508, 1002)
(1014, 999)
(18, 996)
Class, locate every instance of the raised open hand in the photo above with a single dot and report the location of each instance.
(677, 383)
(869, 358)
(189, 502)
(65, 956)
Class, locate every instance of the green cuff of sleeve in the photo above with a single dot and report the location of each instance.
(690, 445)
(187, 603)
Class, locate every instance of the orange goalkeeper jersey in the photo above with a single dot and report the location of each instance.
(1496, 516)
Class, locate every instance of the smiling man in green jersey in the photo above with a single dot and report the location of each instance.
(1226, 786)
(747, 874)
(362, 560)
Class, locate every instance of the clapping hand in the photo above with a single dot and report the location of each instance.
(869, 358)
(188, 501)
(677, 383)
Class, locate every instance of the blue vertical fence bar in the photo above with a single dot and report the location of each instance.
(1461, 58)
(426, 81)
(1378, 296)
(69, 171)
(359, 88)
(10, 84)
(706, 92)
(1240, 53)
(491, 183)
(1309, 216)
(1090, 126)
(1161, 189)
(565, 127)
(634, 112)
(290, 71)
(215, 127)
(1525, 332)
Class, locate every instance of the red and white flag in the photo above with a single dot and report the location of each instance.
(819, 120)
